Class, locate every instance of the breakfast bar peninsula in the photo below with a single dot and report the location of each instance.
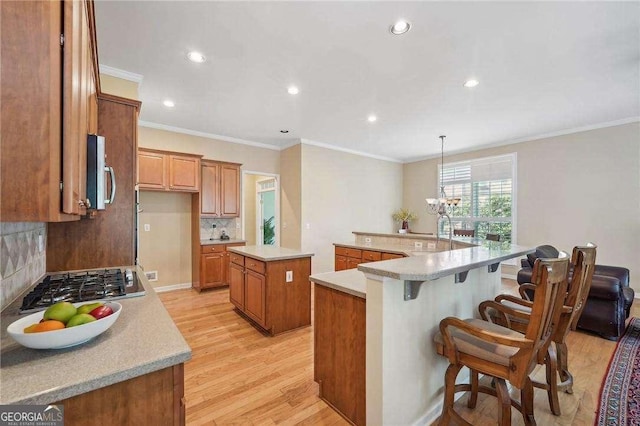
(403, 301)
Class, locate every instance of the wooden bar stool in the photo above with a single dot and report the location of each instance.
(514, 313)
(464, 232)
(500, 352)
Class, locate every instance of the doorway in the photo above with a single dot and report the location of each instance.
(261, 208)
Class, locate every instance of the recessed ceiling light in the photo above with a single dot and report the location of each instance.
(293, 90)
(284, 131)
(400, 27)
(372, 118)
(168, 103)
(196, 57)
(471, 83)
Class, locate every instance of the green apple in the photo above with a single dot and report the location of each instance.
(61, 311)
(80, 319)
(85, 309)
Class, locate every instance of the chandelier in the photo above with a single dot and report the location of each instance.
(443, 205)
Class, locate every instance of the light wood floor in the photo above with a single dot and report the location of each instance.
(239, 376)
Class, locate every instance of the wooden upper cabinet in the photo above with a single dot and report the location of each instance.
(152, 170)
(168, 171)
(220, 194)
(209, 196)
(184, 173)
(230, 190)
(48, 107)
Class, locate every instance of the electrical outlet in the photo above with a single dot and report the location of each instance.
(40, 243)
(147, 227)
(418, 244)
(152, 275)
(431, 246)
(237, 225)
(308, 226)
(289, 276)
(367, 240)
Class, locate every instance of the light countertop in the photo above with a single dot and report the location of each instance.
(143, 339)
(213, 242)
(269, 253)
(433, 265)
(350, 281)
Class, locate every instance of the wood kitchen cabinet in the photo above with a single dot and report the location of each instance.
(339, 353)
(108, 239)
(350, 258)
(156, 398)
(214, 266)
(48, 107)
(258, 289)
(168, 171)
(220, 194)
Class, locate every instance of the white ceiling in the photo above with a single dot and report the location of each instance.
(543, 67)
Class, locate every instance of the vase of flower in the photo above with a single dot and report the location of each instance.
(405, 216)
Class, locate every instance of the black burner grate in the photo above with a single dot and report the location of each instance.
(76, 287)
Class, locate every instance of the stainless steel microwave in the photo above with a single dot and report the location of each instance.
(96, 174)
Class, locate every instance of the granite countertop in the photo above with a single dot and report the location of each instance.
(212, 242)
(269, 253)
(143, 339)
(350, 281)
(427, 266)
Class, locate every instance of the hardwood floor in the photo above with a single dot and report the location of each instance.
(239, 376)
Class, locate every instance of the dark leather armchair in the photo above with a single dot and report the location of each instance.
(610, 297)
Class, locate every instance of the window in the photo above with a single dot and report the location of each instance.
(487, 196)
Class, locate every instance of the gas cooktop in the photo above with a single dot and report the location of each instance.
(80, 286)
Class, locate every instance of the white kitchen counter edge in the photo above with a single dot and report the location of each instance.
(436, 265)
(350, 281)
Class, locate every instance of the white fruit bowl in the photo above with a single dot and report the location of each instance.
(66, 337)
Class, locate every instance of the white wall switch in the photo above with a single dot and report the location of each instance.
(147, 227)
(308, 226)
(431, 246)
(418, 244)
(367, 240)
(289, 276)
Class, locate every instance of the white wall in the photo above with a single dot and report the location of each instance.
(342, 193)
(571, 189)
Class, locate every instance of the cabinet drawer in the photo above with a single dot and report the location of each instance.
(255, 265)
(389, 256)
(237, 259)
(213, 248)
(349, 252)
(371, 256)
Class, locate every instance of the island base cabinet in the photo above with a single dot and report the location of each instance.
(262, 294)
(236, 285)
(339, 351)
(255, 297)
(156, 398)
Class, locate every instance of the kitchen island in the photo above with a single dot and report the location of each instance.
(405, 300)
(131, 373)
(269, 285)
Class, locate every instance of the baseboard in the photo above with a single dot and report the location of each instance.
(172, 287)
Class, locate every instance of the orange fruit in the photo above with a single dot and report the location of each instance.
(45, 326)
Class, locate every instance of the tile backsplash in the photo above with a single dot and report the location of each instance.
(21, 261)
(228, 225)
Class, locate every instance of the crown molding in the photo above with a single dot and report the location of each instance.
(125, 75)
(533, 138)
(349, 151)
(205, 135)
